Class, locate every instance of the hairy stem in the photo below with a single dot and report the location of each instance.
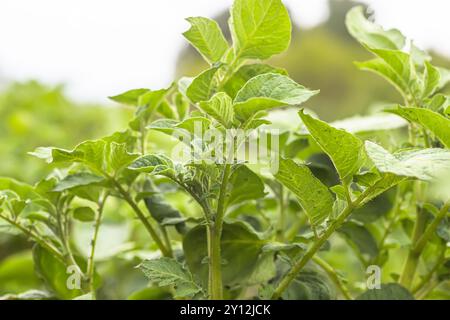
(91, 261)
(215, 236)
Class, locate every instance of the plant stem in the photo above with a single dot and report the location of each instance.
(333, 276)
(290, 276)
(412, 259)
(91, 261)
(215, 236)
(429, 231)
(282, 215)
(143, 219)
(42, 242)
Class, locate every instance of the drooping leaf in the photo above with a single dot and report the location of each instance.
(309, 285)
(245, 73)
(245, 185)
(424, 164)
(166, 271)
(76, 180)
(205, 35)
(219, 107)
(389, 291)
(202, 87)
(240, 247)
(430, 120)
(344, 149)
(314, 197)
(54, 273)
(360, 237)
(371, 34)
(267, 91)
(259, 28)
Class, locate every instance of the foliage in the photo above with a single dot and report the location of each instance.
(245, 227)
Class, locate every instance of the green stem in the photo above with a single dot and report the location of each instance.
(215, 236)
(333, 276)
(42, 242)
(91, 260)
(293, 272)
(412, 260)
(282, 215)
(423, 240)
(142, 217)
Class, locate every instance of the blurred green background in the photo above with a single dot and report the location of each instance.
(35, 114)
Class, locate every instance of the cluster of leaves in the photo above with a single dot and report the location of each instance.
(328, 175)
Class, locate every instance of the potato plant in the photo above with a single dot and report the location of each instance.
(259, 235)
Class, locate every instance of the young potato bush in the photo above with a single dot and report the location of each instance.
(260, 235)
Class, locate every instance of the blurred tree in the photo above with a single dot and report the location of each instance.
(34, 115)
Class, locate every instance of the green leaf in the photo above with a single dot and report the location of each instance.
(309, 285)
(389, 291)
(240, 247)
(245, 73)
(166, 271)
(371, 34)
(424, 164)
(219, 107)
(394, 66)
(267, 91)
(100, 155)
(430, 120)
(431, 80)
(344, 149)
(76, 180)
(259, 28)
(182, 105)
(84, 214)
(314, 197)
(23, 190)
(202, 87)
(53, 273)
(152, 163)
(360, 237)
(148, 103)
(245, 185)
(130, 97)
(205, 35)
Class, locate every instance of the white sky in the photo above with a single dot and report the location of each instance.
(103, 47)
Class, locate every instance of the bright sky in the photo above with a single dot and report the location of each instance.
(103, 47)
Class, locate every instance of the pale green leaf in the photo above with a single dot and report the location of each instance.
(371, 34)
(205, 35)
(245, 73)
(424, 164)
(259, 28)
(219, 107)
(76, 180)
(267, 91)
(202, 87)
(432, 78)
